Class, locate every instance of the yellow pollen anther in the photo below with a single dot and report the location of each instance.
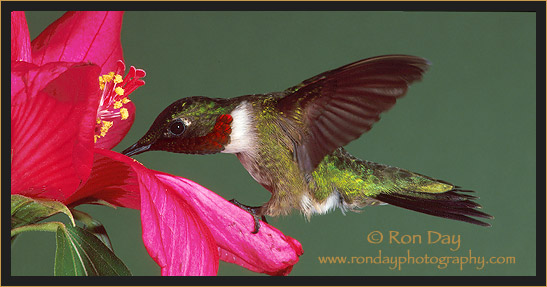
(106, 126)
(98, 121)
(119, 91)
(101, 82)
(118, 104)
(118, 79)
(126, 100)
(124, 113)
(107, 78)
(95, 138)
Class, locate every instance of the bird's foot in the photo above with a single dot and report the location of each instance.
(255, 211)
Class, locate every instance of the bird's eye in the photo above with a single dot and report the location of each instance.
(177, 127)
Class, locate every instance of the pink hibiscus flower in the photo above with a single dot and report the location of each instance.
(70, 106)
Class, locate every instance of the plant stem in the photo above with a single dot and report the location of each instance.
(46, 226)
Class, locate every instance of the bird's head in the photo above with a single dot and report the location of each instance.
(195, 125)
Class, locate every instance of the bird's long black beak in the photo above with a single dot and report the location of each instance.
(135, 149)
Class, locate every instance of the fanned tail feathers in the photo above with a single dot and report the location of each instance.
(456, 204)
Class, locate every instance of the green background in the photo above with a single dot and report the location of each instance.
(471, 121)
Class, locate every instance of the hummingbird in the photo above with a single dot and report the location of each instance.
(291, 142)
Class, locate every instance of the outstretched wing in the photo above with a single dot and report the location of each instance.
(336, 107)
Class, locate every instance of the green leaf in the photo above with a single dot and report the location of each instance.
(81, 253)
(26, 210)
(94, 226)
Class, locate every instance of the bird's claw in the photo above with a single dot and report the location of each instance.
(255, 211)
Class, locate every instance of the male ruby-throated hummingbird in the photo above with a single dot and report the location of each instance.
(291, 142)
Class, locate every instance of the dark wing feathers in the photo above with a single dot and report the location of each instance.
(336, 107)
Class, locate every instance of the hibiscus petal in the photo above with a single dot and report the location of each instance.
(269, 251)
(20, 38)
(52, 128)
(88, 36)
(119, 129)
(28, 79)
(113, 179)
(174, 235)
